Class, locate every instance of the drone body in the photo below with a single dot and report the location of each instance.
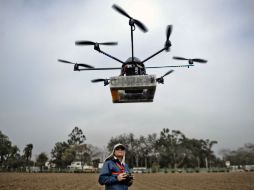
(134, 88)
(133, 84)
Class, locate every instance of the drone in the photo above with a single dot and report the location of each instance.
(133, 84)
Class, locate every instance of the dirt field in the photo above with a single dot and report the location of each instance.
(161, 181)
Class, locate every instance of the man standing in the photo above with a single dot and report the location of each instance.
(115, 174)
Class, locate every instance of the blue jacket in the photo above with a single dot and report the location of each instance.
(110, 180)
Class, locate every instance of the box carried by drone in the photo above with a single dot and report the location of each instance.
(136, 88)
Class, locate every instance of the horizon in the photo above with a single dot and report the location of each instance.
(42, 100)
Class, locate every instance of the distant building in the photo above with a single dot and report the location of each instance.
(77, 165)
(49, 165)
(139, 170)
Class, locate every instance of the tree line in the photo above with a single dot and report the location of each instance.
(12, 158)
(168, 149)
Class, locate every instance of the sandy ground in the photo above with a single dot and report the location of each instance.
(159, 181)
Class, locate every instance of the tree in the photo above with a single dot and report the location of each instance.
(64, 153)
(14, 160)
(68, 155)
(28, 151)
(57, 154)
(241, 156)
(143, 150)
(5, 148)
(76, 142)
(131, 147)
(91, 154)
(42, 158)
(193, 153)
(172, 149)
(151, 146)
(170, 146)
(76, 137)
(208, 152)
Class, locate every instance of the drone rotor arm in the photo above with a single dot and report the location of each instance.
(167, 66)
(101, 69)
(154, 54)
(112, 57)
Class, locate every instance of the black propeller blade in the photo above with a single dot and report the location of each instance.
(167, 73)
(106, 81)
(168, 33)
(98, 80)
(132, 20)
(198, 60)
(94, 43)
(179, 58)
(76, 64)
(64, 61)
(161, 79)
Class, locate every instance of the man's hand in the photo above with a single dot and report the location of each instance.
(121, 177)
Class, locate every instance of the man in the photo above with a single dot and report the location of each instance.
(115, 174)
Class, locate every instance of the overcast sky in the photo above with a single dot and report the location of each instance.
(42, 100)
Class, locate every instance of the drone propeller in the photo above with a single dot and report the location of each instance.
(64, 61)
(167, 43)
(198, 60)
(167, 73)
(132, 20)
(161, 79)
(76, 65)
(168, 33)
(94, 43)
(106, 81)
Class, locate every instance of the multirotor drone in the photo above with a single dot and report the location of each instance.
(133, 84)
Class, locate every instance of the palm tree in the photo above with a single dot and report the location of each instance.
(207, 151)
